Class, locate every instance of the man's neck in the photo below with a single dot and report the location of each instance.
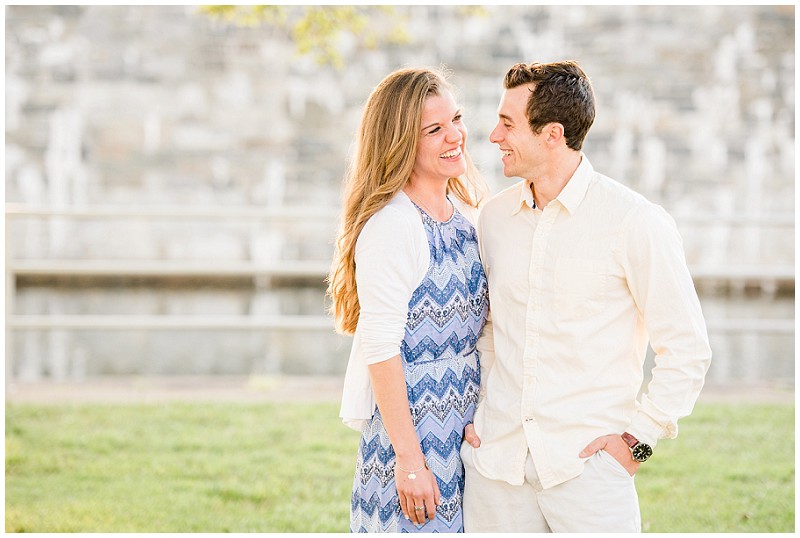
(549, 184)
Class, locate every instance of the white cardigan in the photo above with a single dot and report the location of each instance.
(392, 257)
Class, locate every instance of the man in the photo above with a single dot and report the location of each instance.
(582, 271)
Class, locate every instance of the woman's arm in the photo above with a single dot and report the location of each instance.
(389, 386)
(392, 257)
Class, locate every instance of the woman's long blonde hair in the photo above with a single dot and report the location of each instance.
(385, 153)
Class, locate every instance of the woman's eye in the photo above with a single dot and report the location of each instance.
(434, 131)
(457, 118)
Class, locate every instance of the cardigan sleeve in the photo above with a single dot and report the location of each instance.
(389, 267)
(392, 258)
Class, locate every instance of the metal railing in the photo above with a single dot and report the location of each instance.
(160, 268)
(291, 268)
(170, 322)
(169, 268)
(291, 213)
(303, 268)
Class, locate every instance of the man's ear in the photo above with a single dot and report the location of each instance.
(555, 133)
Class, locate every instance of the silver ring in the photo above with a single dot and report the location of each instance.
(419, 508)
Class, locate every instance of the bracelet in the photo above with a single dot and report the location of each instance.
(412, 474)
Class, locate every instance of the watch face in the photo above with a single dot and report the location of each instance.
(641, 452)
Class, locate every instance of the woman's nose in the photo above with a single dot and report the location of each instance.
(454, 134)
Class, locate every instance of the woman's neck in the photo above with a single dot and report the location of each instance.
(430, 196)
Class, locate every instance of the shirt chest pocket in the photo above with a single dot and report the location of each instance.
(580, 287)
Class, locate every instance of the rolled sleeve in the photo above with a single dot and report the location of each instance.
(664, 293)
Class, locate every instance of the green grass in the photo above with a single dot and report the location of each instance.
(731, 469)
(177, 468)
(289, 468)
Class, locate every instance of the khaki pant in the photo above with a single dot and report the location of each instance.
(602, 499)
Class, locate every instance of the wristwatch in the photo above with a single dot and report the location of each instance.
(639, 451)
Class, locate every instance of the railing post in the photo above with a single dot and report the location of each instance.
(11, 290)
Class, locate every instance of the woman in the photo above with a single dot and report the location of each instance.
(408, 282)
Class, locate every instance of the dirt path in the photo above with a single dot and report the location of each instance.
(178, 388)
(132, 389)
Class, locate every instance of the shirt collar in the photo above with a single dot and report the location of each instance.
(570, 196)
(574, 191)
(525, 196)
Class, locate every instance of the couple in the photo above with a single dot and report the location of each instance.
(580, 271)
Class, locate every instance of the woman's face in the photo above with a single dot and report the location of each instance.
(443, 136)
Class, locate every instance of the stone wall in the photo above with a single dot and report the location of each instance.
(156, 105)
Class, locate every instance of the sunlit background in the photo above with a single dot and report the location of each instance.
(173, 177)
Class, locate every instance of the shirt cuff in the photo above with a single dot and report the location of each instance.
(647, 430)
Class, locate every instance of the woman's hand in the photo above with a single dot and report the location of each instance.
(417, 496)
(391, 395)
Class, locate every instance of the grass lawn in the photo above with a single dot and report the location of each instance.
(289, 468)
(731, 469)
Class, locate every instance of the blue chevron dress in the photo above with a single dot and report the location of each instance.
(446, 314)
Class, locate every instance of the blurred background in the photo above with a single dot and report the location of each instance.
(173, 174)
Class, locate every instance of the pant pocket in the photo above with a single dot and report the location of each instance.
(466, 455)
(608, 462)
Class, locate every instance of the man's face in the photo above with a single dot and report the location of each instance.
(523, 151)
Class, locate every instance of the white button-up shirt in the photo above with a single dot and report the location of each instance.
(576, 290)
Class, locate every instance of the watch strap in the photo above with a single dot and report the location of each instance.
(630, 440)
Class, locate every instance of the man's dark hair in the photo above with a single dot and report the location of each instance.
(562, 93)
